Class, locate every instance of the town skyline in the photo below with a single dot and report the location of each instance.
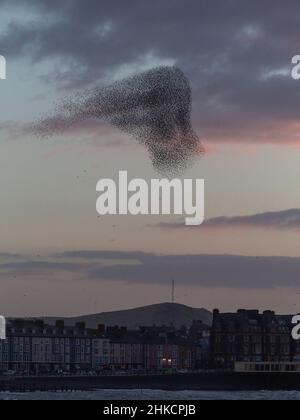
(246, 340)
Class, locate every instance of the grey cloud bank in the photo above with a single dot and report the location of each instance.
(285, 220)
(214, 271)
(288, 219)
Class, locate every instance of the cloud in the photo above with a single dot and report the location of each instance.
(213, 271)
(237, 55)
(105, 255)
(287, 219)
(15, 130)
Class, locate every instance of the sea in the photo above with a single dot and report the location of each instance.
(140, 395)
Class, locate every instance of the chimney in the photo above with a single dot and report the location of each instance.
(60, 324)
(101, 328)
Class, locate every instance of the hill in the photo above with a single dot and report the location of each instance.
(161, 314)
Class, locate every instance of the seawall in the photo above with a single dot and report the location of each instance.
(203, 381)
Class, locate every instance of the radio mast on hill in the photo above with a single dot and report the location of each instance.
(173, 292)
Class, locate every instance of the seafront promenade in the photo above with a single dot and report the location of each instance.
(206, 381)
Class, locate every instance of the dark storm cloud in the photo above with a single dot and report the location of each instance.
(236, 53)
(214, 271)
(287, 219)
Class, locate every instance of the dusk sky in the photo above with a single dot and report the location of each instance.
(57, 257)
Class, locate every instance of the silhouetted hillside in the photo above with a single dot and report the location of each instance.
(161, 314)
